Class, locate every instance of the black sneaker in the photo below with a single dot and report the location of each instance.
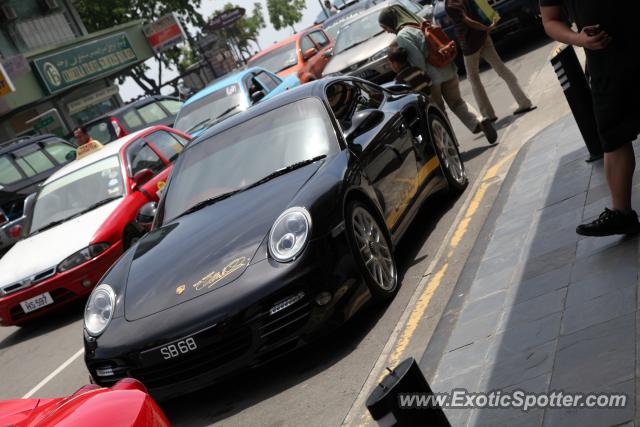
(611, 222)
(489, 131)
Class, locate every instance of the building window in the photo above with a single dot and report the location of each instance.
(44, 31)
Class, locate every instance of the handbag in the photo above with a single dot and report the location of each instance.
(442, 50)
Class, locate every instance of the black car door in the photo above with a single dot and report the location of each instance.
(388, 151)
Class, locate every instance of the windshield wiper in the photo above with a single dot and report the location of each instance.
(212, 200)
(208, 202)
(199, 125)
(97, 205)
(227, 111)
(82, 212)
(285, 170)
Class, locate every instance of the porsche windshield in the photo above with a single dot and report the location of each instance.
(243, 155)
(200, 114)
(78, 192)
(278, 59)
(357, 31)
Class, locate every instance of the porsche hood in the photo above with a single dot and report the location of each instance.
(208, 249)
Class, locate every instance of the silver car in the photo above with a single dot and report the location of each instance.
(362, 46)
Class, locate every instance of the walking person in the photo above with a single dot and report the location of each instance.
(476, 43)
(609, 36)
(445, 84)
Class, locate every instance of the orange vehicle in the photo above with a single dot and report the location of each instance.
(305, 53)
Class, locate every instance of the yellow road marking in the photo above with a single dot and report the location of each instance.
(434, 283)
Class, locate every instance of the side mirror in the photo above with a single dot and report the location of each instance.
(71, 156)
(257, 96)
(328, 53)
(309, 53)
(141, 177)
(146, 214)
(398, 87)
(363, 121)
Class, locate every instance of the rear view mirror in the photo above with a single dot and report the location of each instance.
(362, 122)
(309, 53)
(141, 177)
(257, 96)
(146, 214)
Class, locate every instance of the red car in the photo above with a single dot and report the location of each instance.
(126, 404)
(81, 220)
(305, 54)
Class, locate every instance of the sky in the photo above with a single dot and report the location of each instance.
(129, 89)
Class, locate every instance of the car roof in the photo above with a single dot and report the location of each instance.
(139, 103)
(108, 150)
(229, 79)
(311, 89)
(281, 43)
(11, 145)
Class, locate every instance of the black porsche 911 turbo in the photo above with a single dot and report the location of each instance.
(275, 224)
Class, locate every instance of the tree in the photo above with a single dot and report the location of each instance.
(244, 31)
(101, 14)
(285, 13)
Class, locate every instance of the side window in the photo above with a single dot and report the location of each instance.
(343, 99)
(141, 156)
(370, 97)
(172, 106)
(8, 171)
(166, 144)
(34, 162)
(131, 119)
(319, 38)
(266, 81)
(59, 151)
(152, 113)
(306, 44)
(100, 132)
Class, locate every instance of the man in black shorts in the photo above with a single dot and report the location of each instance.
(609, 34)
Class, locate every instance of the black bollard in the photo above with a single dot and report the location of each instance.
(576, 90)
(384, 401)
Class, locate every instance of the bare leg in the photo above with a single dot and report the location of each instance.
(619, 166)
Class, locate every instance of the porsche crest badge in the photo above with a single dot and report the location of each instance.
(180, 289)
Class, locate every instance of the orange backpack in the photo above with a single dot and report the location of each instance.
(442, 50)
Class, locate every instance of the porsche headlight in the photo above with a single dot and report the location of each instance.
(99, 310)
(381, 54)
(82, 256)
(289, 234)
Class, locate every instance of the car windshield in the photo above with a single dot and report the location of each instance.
(245, 154)
(357, 31)
(206, 110)
(278, 59)
(78, 192)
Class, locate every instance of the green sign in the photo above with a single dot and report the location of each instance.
(43, 122)
(78, 64)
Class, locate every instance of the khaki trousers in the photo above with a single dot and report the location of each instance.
(472, 63)
(449, 91)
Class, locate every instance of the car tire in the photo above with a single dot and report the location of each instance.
(448, 154)
(372, 250)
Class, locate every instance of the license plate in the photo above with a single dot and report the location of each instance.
(170, 351)
(36, 303)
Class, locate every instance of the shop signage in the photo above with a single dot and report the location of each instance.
(43, 122)
(78, 64)
(92, 99)
(6, 85)
(164, 33)
(225, 19)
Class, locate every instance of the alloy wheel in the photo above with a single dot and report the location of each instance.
(449, 152)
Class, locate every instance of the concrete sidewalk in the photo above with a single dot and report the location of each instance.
(538, 307)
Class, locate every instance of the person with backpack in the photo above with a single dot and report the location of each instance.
(476, 43)
(444, 79)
